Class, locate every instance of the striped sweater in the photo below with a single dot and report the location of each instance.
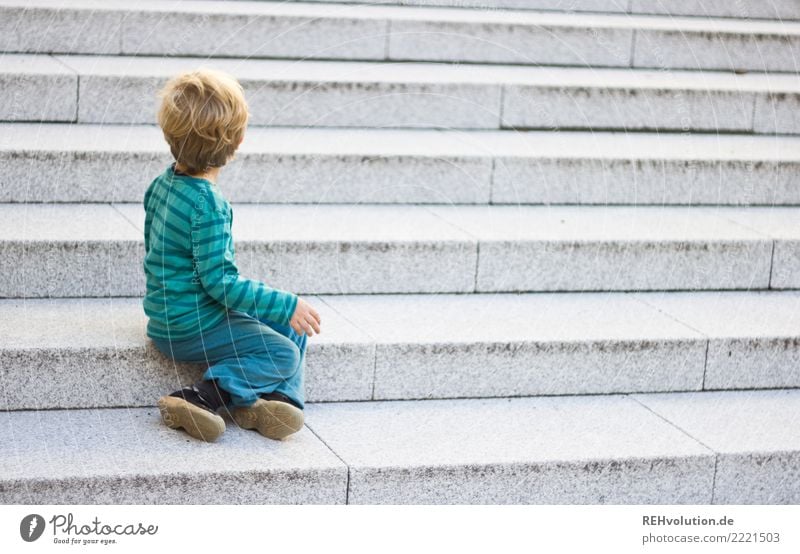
(192, 278)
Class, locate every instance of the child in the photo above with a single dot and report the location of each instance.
(253, 337)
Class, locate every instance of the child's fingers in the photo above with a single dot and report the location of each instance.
(297, 327)
(311, 324)
(316, 315)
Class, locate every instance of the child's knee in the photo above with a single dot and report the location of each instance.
(286, 359)
(295, 356)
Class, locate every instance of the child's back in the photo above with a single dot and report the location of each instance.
(252, 337)
(192, 278)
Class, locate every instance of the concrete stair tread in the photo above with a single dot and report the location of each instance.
(778, 223)
(568, 223)
(57, 162)
(424, 73)
(112, 439)
(739, 423)
(362, 318)
(393, 426)
(120, 89)
(115, 322)
(668, 448)
(406, 223)
(381, 439)
(429, 346)
(33, 64)
(67, 222)
(96, 249)
(128, 455)
(336, 31)
(606, 145)
(388, 12)
(774, 9)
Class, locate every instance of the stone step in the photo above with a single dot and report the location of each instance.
(79, 250)
(741, 9)
(128, 456)
(54, 162)
(677, 448)
(122, 89)
(359, 32)
(93, 353)
(560, 450)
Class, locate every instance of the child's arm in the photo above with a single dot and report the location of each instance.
(215, 267)
(148, 218)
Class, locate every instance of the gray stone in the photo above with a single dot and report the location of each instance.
(508, 37)
(307, 165)
(37, 88)
(776, 113)
(772, 9)
(712, 50)
(566, 5)
(755, 435)
(313, 93)
(425, 95)
(71, 163)
(82, 353)
(754, 337)
(355, 249)
(745, 9)
(89, 250)
(69, 250)
(781, 224)
(128, 456)
(340, 363)
(644, 181)
(620, 168)
(555, 98)
(534, 248)
(359, 179)
(90, 353)
(86, 353)
(42, 26)
(728, 45)
(255, 30)
(560, 450)
(349, 249)
(476, 345)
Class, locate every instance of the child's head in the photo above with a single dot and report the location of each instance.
(203, 115)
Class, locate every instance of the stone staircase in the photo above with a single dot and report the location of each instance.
(563, 269)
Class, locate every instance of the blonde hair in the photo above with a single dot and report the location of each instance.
(203, 115)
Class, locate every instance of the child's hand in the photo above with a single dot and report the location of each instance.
(305, 319)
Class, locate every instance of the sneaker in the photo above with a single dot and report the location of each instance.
(280, 396)
(189, 409)
(274, 415)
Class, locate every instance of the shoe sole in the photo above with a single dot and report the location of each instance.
(272, 418)
(199, 423)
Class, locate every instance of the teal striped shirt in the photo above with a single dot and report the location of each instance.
(192, 278)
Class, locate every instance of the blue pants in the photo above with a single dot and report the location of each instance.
(248, 357)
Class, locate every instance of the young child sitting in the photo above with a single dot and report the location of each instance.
(252, 337)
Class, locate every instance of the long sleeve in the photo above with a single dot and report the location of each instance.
(214, 266)
(148, 219)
